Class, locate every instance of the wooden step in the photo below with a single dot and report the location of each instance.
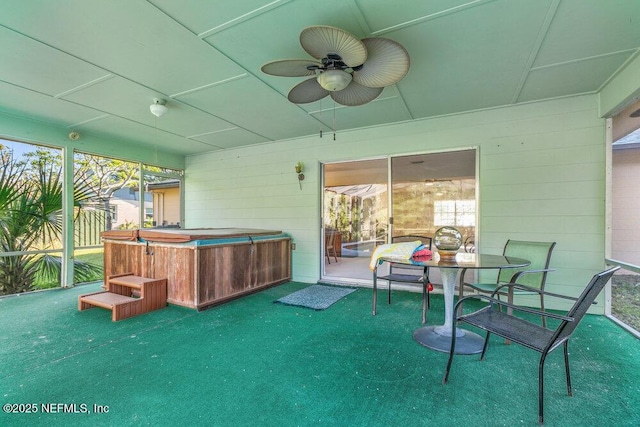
(127, 295)
(106, 299)
(134, 282)
(129, 284)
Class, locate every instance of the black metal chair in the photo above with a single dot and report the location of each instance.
(493, 320)
(416, 275)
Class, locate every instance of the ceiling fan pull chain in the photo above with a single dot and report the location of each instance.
(334, 120)
(320, 124)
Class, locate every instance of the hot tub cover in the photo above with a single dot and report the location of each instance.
(131, 235)
(175, 235)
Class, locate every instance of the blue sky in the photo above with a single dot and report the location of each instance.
(18, 148)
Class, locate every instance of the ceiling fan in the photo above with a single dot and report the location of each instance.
(352, 71)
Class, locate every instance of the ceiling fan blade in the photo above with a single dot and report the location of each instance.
(291, 67)
(387, 63)
(307, 91)
(321, 40)
(356, 94)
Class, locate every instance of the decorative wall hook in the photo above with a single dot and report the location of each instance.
(299, 168)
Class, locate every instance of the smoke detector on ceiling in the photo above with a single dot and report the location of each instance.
(74, 136)
(158, 108)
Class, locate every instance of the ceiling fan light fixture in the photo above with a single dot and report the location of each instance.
(353, 72)
(158, 108)
(334, 80)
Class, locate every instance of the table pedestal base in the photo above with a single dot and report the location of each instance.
(466, 342)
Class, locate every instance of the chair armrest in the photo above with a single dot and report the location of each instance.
(516, 276)
(514, 285)
(495, 301)
(535, 290)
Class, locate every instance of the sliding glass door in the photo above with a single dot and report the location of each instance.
(355, 216)
(428, 191)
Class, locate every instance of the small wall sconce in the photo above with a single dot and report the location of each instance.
(299, 168)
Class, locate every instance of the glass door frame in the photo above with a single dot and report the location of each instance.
(390, 226)
(322, 233)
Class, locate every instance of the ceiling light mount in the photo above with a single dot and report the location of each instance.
(334, 80)
(158, 108)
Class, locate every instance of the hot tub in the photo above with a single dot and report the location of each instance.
(203, 267)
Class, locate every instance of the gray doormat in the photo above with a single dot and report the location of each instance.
(317, 297)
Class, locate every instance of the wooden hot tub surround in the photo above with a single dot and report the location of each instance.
(203, 267)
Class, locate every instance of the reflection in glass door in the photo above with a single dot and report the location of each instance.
(430, 191)
(355, 216)
(434, 190)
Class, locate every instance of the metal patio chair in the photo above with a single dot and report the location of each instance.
(416, 275)
(530, 335)
(533, 276)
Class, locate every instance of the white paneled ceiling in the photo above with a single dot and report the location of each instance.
(95, 66)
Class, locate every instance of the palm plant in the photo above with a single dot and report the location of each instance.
(31, 219)
(15, 270)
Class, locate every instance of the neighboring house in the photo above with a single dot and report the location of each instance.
(626, 199)
(161, 206)
(125, 208)
(166, 203)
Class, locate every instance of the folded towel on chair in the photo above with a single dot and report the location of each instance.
(400, 251)
(422, 253)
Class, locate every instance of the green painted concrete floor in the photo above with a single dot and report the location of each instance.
(253, 362)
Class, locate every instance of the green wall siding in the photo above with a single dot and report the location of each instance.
(541, 174)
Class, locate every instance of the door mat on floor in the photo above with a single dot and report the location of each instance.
(317, 297)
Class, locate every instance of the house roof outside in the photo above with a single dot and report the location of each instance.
(630, 141)
(170, 183)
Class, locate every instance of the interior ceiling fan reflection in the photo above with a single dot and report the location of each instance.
(353, 72)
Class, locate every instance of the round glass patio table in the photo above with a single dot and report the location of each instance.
(439, 337)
